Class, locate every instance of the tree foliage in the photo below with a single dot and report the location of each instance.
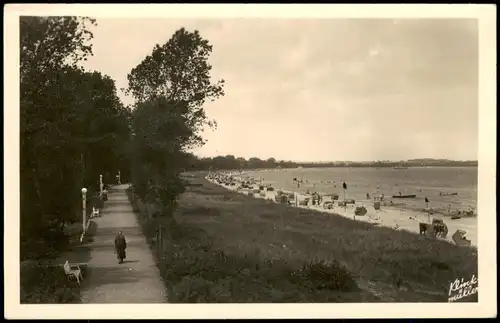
(47, 43)
(170, 87)
(230, 162)
(160, 132)
(73, 125)
(179, 71)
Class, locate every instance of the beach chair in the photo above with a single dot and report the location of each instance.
(304, 202)
(281, 199)
(73, 271)
(426, 228)
(95, 212)
(328, 205)
(440, 228)
(459, 238)
(360, 210)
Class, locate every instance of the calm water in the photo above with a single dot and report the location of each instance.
(424, 182)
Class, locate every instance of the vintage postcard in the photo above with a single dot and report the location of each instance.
(249, 161)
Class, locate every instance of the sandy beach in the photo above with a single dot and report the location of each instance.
(387, 216)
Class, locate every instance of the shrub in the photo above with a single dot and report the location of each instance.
(322, 275)
(47, 285)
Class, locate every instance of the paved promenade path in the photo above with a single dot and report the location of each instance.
(137, 280)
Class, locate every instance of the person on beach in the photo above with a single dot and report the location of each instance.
(120, 246)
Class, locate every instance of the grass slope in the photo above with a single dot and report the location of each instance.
(227, 247)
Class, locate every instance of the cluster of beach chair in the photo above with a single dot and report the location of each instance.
(436, 229)
(327, 201)
(439, 229)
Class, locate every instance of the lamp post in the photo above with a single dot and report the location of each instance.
(119, 178)
(100, 184)
(84, 207)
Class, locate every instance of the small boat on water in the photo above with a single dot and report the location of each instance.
(400, 167)
(447, 194)
(409, 196)
(456, 217)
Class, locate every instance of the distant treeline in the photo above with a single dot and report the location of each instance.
(231, 162)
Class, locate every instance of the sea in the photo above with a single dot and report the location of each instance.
(434, 183)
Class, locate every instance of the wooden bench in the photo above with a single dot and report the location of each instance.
(95, 212)
(73, 271)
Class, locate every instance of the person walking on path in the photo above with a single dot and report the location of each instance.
(120, 246)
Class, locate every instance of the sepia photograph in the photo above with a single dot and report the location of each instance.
(250, 157)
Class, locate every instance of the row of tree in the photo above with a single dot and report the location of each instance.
(193, 162)
(73, 126)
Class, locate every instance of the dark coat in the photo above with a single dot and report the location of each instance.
(120, 242)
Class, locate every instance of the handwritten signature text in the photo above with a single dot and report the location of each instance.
(461, 288)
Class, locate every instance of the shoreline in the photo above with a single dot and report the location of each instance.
(449, 204)
(389, 216)
(241, 249)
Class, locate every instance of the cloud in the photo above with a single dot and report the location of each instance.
(390, 88)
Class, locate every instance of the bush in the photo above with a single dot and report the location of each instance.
(320, 275)
(47, 285)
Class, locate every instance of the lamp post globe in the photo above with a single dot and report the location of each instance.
(84, 191)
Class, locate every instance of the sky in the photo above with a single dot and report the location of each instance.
(323, 89)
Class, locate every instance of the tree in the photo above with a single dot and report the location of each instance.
(73, 126)
(242, 162)
(47, 43)
(48, 46)
(271, 162)
(160, 130)
(170, 87)
(180, 72)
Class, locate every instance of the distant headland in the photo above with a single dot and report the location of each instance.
(231, 162)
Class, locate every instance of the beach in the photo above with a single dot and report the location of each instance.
(448, 189)
(225, 246)
(398, 217)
